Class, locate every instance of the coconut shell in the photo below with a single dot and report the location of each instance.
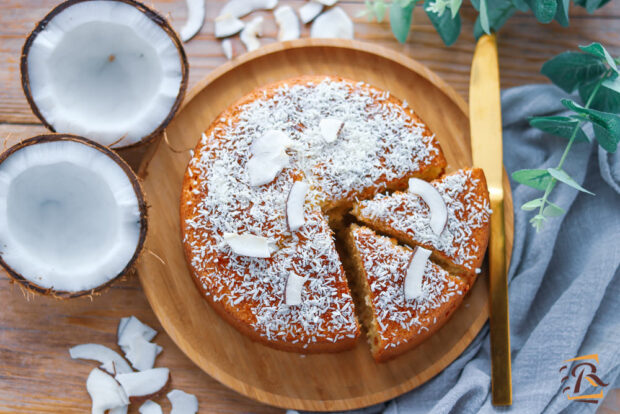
(151, 14)
(142, 205)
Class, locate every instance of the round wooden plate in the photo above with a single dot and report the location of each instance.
(315, 382)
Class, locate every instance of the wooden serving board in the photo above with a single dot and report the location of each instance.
(315, 382)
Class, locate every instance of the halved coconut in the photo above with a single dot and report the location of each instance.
(112, 70)
(72, 215)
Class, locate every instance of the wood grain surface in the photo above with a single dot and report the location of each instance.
(341, 381)
(36, 374)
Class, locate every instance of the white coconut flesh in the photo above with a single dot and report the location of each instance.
(103, 69)
(69, 216)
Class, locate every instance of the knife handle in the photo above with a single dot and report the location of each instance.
(501, 377)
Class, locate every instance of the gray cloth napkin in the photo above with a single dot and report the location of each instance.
(563, 282)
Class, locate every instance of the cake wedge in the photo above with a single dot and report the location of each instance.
(393, 323)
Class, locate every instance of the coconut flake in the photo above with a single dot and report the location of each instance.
(250, 33)
(249, 245)
(182, 402)
(119, 410)
(227, 48)
(195, 19)
(309, 11)
(240, 8)
(294, 286)
(268, 157)
(295, 205)
(150, 407)
(334, 23)
(144, 383)
(330, 128)
(434, 201)
(287, 22)
(111, 361)
(129, 328)
(327, 3)
(141, 353)
(105, 392)
(227, 25)
(415, 271)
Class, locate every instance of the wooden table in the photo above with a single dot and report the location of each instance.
(36, 373)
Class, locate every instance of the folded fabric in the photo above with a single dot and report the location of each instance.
(564, 283)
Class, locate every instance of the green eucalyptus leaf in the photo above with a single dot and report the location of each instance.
(553, 210)
(448, 28)
(400, 20)
(532, 204)
(538, 222)
(597, 49)
(378, 9)
(591, 5)
(606, 125)
(561, 14)
(606, 138)
(455, 6)
(561, 126)
(521, 5)
(484, 17)
(568, 70)
(562, 176)
(544, 10)
(499, 11)
(607, 98)
(538, 179)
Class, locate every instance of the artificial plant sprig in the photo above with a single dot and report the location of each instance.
(594, 73)
(492, 14)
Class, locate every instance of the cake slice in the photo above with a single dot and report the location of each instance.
(393, 323)
(461, 245)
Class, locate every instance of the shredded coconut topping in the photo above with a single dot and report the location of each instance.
(379, 142)
(407, 213)
(386, 265)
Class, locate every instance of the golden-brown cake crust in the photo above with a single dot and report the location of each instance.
(217, 198)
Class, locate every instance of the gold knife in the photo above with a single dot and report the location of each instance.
(485, 119)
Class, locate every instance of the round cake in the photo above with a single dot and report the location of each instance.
(265, 182)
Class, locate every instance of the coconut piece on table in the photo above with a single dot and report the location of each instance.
(227, 48)
(434, 201)
(295, 205)
(195, 19)
(72, 215)
(330, 128)
(334, 23)
(142, 353)
(309, 11)
(182, 402)
(105, 392)
(294, 287)
(114, 71)
(111, 361)
(141, 386)
(240, 8)
(250, 33)
(227, 25)
(415, 271)
(119, 410)
(150, 407)
(327, 3)
(250, 245)
(288, 23)
(130, 328)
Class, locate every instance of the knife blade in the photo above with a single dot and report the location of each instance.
(486, 143)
